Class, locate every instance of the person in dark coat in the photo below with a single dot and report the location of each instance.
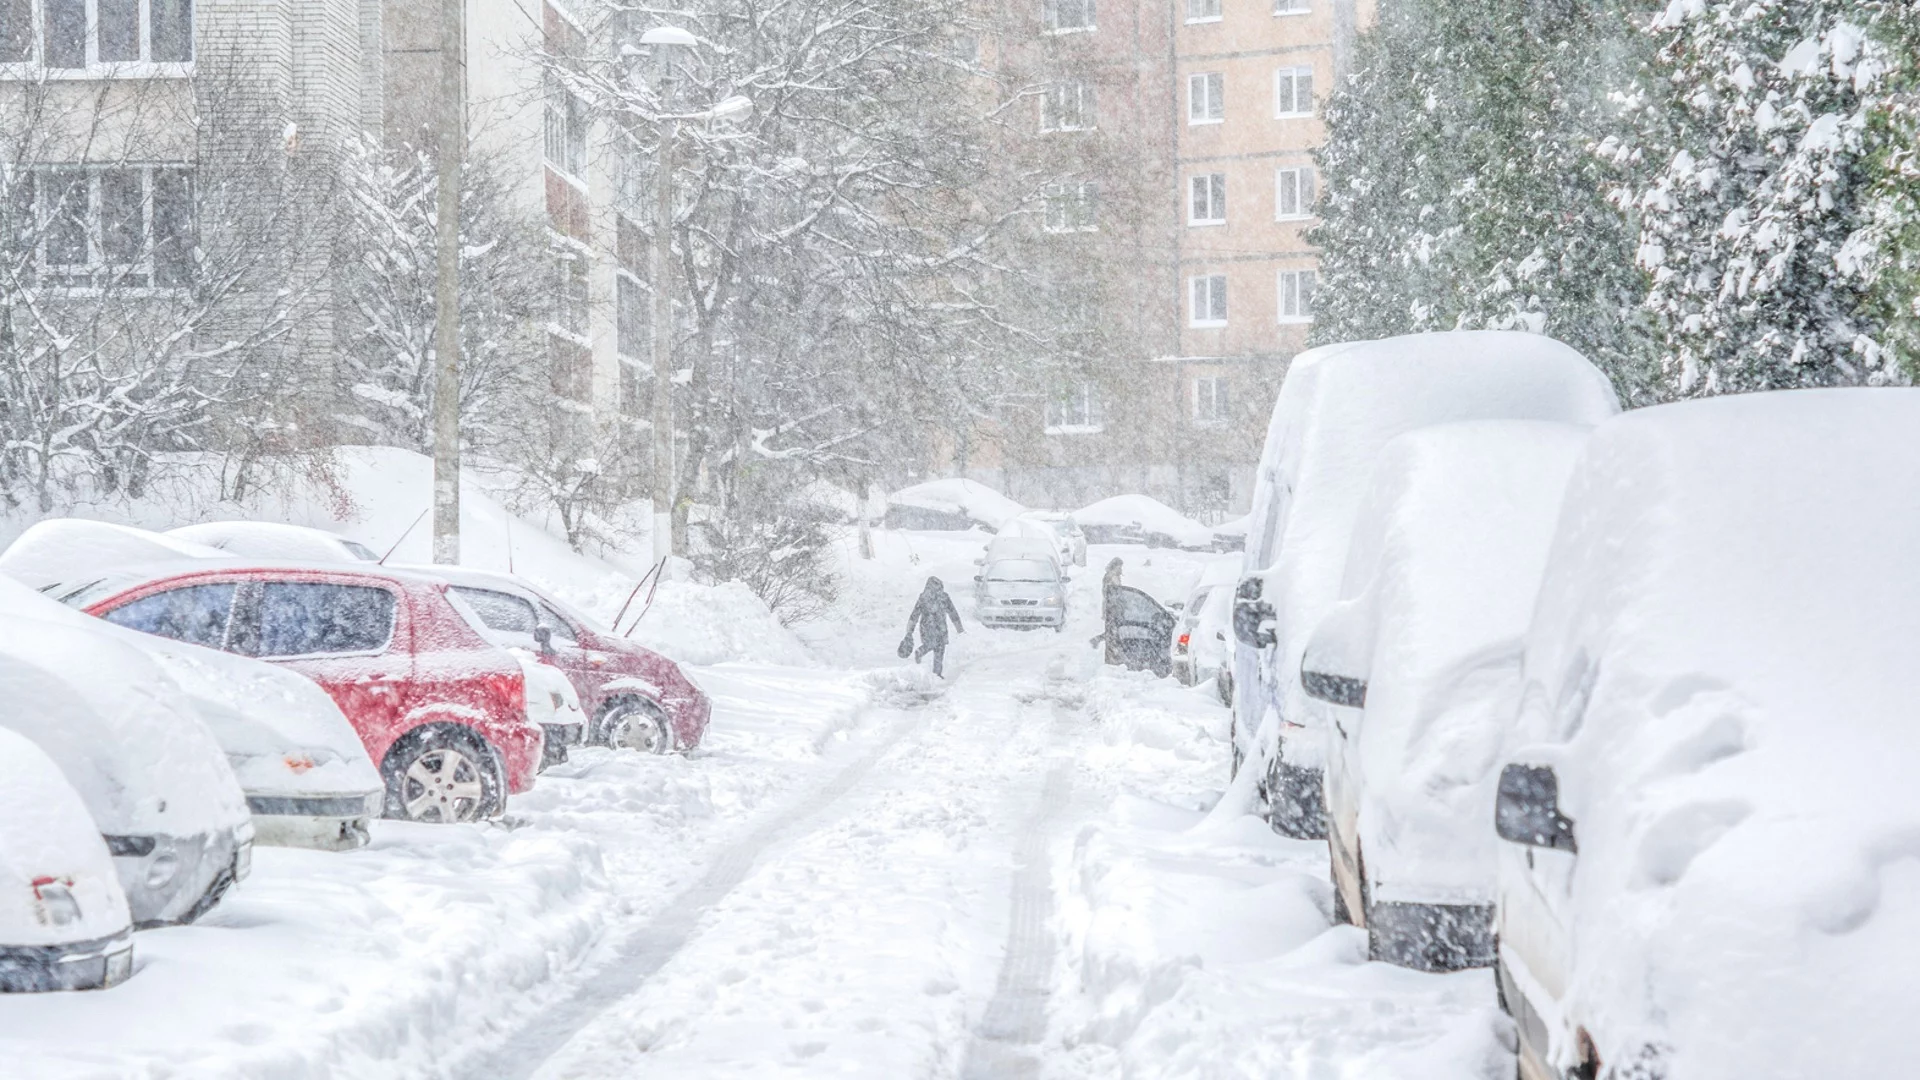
(930, 617)
(1108, 582)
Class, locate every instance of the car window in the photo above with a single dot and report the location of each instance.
(360, 551)
(504, 612)
(562, 629)
(197, 614)
(301, 618)
(1022, 570)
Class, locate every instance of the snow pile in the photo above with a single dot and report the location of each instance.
(711, 624)
(1124, 516)
(275, 541)
(957, 499)
(1721, 671)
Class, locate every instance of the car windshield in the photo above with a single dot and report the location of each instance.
(1022, 570)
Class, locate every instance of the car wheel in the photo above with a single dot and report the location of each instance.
(636, 724)
(440, 775)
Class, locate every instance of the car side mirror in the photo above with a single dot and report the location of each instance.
(1337, 659)
(543, 637)
(1527, 809)
(1253, 617)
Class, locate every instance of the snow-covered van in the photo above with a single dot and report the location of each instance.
(158, 786)
(1339, 405)
(64, 923)
(1416, 672)
(1712, 866)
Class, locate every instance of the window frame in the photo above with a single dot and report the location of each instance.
(1304, 180)
(36, 67)
(1284, 8)
(1292, 77)
(1219, 411)
(1071, 208)
(1055, 96)
(1199, 20)
(1288, 283)
(1215, 286)
(1085, 418)
(1050, 11)
(1213, 87)
(145, 274)
(1210, 188)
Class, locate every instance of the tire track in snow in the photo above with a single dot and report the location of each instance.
(649, 949)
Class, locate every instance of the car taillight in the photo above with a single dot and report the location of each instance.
(1185, 640)
(53, 902)
(510, 687)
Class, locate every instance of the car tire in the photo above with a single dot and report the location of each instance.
(634, 724)
(442, 775)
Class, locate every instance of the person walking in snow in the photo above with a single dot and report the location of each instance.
(1110, 581)
(930, 617)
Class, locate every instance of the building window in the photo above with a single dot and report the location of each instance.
(82, 35)
(1293, 91)
(1208, 202)
(1210, 402)
(1072, 208)
(1066, 16)
(1293, 193)
(124, 227)
(1067, 106)
(1199, 11)
(1290, 7)
(1209, 296)
(1076, 412)
(566, 132)
(1206, 98)
(1296, 296)
(570, 295)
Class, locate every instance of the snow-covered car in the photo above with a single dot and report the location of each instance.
(1339, 405)
(64, 923)
(61, 549)
(631, 696)
(444, 712)
(1231, 535)
(953, 505)
(1416, 673)
(1066, 531)
(1710, 814)
(1141, 519)
(274, 541)
(1021, 585)
(156, 784)
(1201, 649)
(307, 780)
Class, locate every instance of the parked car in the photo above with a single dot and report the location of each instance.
(152, 778)
(1710, 817)
(1021, 585)
(59, 549)
(1067, 531)
(632, 696)
(445, 713)
(1140, 519)
(952, 505)
(1339, 405)
(1143, 629)
(64, 922)
(1416, 673)
(1202, 651)
(273, 541)
(307, 780)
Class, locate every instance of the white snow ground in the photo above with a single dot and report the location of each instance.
(863, 872)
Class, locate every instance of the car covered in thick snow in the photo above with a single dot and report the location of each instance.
(1712, 858)
(1416, 672)
(631, 696)
(59, 549)
(1339, 405)
(1202, 651)
(64, 923)
(307, 780)
(444, 713)
(952, 505)
(1141, 519)
(1062, 528)
(1021, 584)
(157, 785)
(272, 540)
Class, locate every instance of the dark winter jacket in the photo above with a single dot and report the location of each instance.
(931, 613)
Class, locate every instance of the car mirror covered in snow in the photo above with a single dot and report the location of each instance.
(1334, 667)
(1527, 809)
(1252, 616)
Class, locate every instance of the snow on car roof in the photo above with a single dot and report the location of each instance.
(47, 833)
(959, 496)
(58, 549)
(1022, 547)
(274, 540)
(494, 579)
(1724, 644)
(1150, 514)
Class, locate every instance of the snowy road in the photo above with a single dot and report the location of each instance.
(863, 873)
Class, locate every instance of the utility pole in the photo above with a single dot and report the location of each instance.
(450, 160)
(663, 289)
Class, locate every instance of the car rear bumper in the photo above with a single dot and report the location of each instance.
(79, 965)
(558, 737)
(176, 879)
(323, 822)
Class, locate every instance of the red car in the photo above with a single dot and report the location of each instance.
(632, 696)
(442, 710)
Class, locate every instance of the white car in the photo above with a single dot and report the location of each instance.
(158, 786)
(1416, 672)
(1072, 540)
(64, 923)
(1339, 405)
(1141, 519)
(1021, 585)
(1202, 651)
(1712, 858)
(275, 542)
(951, 505)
